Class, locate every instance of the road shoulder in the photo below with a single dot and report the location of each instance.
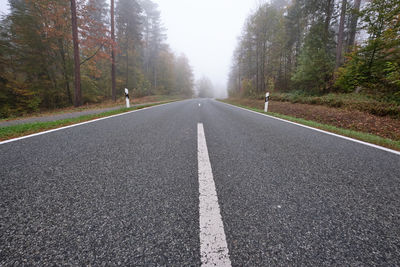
(365, 138)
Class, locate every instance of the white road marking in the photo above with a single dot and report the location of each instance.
(199, 105)
(213, 247)
(321, 131)
(78, 124)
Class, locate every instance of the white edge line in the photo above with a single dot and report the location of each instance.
(79, 124)
(319, 130)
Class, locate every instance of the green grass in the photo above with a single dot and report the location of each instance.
(100, 105)
(366, 137)
(13, 131)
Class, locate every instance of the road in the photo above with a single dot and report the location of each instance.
(155, 188)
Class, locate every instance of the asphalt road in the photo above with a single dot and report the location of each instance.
(125, 191)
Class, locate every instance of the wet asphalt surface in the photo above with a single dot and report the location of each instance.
(124, 191)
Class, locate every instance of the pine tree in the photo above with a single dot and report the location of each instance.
(128, 25)
(315, 68)
(154, 37)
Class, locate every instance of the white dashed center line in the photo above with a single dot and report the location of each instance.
(213, 247)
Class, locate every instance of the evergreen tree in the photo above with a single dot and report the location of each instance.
(128, 25)
(316, 64)
(154, 37)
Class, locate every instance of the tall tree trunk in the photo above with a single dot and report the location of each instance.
(65, 71)
(239, 73)
(328, 12)
(353, 25)
(264, 57)
(154, 74)
(77, 61)
(113, 83)
(339, 48)
(127, 62)
(257, 65)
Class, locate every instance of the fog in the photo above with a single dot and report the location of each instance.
(3, 6)
(206, 31)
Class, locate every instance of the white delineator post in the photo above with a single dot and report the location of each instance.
(266, 102)
(128, 105)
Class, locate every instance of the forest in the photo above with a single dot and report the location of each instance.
(43, 65)
(316, 47)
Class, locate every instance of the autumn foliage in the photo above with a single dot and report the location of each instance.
(37, 63)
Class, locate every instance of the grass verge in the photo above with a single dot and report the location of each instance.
(366, 137)
(14, 131)
(104, 104)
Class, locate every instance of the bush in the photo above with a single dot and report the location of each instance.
(15, 100)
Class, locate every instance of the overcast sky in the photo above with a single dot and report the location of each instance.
(3, 6)
(205, 30)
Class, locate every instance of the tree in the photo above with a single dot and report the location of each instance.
(205, 87)
(129, 38)
(184, 76)
(38, 34)
(375, 66)
(44, 43)
(154, 37)
(316, 65)
(77, 61)
(353, 25)
(113, 81)
(339, 49)
(95, 47)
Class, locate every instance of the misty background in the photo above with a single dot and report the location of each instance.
(205, 31)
